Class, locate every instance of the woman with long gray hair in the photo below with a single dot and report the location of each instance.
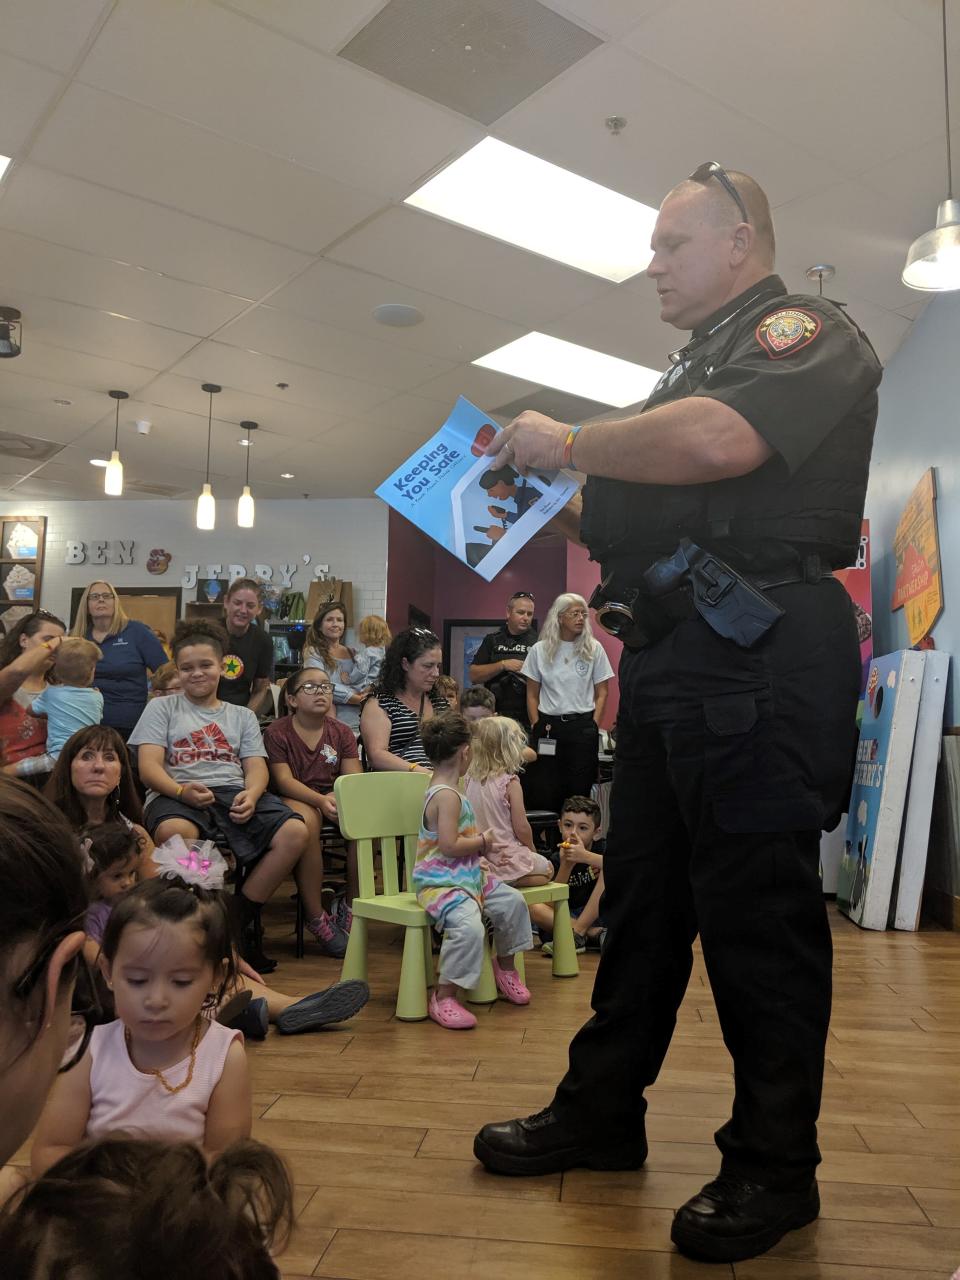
(567, 673)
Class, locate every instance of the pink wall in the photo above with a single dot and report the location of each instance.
(583, 575)
(410, 556)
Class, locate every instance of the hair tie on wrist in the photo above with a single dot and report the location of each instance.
(412, 767)
(566, 459)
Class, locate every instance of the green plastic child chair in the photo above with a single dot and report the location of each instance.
(387, 807)
(565, 962)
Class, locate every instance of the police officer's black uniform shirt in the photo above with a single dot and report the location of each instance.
(805, 377)
(509, 689)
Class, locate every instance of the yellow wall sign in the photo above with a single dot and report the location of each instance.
(918, 587)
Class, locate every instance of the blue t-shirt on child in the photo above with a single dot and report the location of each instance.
(67, 709)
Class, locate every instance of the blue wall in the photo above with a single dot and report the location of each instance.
(919, 427)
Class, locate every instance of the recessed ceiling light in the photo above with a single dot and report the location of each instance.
(514, 196)
(536, 357)
(63, 404)
(286, 475)
(397, 314)
(99, 462)
(4, 161)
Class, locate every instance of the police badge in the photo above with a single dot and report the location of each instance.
(785, 331)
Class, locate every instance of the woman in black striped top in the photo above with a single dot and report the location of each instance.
(403, 700)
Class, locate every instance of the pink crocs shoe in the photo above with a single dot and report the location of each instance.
(509, 984)
(450, 1013)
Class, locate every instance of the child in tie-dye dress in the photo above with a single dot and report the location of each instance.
(455, 890)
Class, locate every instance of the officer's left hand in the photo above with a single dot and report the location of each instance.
(531, 440)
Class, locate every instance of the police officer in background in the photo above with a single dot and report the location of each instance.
(717, 515)
(498, 661)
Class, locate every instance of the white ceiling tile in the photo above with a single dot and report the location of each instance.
(852, 82)
(864, 238)
(436, 257)
(671, 128)
(328, 26)
(25, 91)
(49, 31)
(606, 17)
(215, 68)
(41, 269)
(911, 186)
(118, 144)
(321, 346)
(627, 325)
(914, 310)
(346, 297)
(345, 468)
(37, 395)
(259, 374)
(40, 421)
(83, 216)
(85, 330)
(274, 413)
(415, 416)
(38, 362)
(486, 388)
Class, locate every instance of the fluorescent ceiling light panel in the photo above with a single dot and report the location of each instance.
(4, 161)
(536, 357)
(514, 196)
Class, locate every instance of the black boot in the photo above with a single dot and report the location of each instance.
(250, 935)
(540, 1144)
(732, 1219)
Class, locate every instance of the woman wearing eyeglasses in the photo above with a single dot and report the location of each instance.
(42, 904)
(130, 651)
(568, 675)
(26, 655)
(307, 751)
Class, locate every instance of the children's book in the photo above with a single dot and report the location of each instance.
(482, 514)
(923, 773)
(878, 797)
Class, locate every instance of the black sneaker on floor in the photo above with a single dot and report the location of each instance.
(732, 1219)
(254, 1021)
(336, 1004)
(540, 1144)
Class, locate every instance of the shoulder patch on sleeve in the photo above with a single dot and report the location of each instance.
(783, 332)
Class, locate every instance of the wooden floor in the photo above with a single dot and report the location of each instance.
(377, 1120)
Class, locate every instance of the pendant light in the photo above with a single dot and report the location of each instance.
(206, 503)
(113, 476)
(933, 262)
(245, 501)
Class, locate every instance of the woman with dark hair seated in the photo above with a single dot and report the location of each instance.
(26, 655)
(92, 783)
(41, 938)
(404, 699)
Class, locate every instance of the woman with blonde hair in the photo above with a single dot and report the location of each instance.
(493, 788)
(130, 651)
(567, 673)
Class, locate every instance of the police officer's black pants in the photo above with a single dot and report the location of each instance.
(728, 762)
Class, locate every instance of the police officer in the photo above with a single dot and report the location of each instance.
(717, 515)
(498, 661)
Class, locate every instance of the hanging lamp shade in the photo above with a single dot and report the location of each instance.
(113, 475)
(933, 260)
(206, 503)
(245, 501)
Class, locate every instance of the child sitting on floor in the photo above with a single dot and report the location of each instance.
(476, 703)
(581, 867)
(69, 704)
(162, 1070)
(493, 788)
(455, 890)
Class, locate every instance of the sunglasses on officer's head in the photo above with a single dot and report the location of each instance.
(710, 169)
(521, 595)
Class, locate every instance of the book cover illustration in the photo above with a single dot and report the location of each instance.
(879, 792)
(482, 514)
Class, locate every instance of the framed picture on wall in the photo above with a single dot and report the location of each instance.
(461, 640)
(22, 540)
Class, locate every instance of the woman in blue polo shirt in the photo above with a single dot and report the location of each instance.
(130, 650)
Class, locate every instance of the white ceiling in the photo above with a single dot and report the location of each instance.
(203, 191)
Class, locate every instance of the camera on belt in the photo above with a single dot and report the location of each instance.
(691, 582)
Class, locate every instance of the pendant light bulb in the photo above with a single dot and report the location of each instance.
(206, 503)
(206, 509)
(245, 501)
(245, 509)
(933, 260)
(113, 476)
